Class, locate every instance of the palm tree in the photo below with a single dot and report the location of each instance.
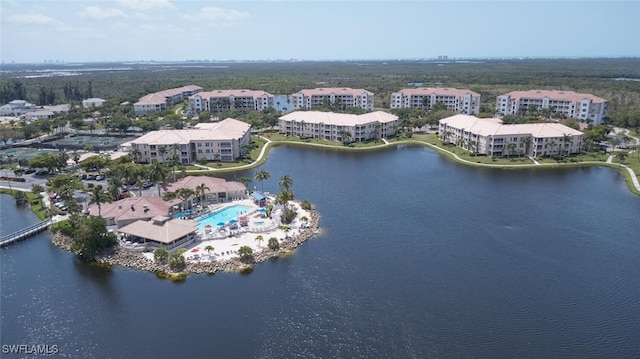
(245, 180)
(553, 145)
(566, 139)
(526, 141)
(509, 146)
(162, 151)
(37, 189)
(115, 184)
(184, 194)
(158, 174)
(285, 229)
(261, 176)
(136, 154)
(174, 162)
(200, 192)
(245, 252)
(345, 136)
(304, 220)
(259, 239)
(209, 249)
(446, 136)
(285, 183)
(473, 146)
(98, 197)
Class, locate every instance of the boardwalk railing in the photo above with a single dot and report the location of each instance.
(24, 233)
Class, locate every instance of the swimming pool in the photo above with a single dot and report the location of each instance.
(223, 216)
(258, 224)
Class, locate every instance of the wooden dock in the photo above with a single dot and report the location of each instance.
(24, 233)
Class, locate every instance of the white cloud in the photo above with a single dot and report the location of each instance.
(218, 16)
(143, 5)
(98, 13)
(32, 19)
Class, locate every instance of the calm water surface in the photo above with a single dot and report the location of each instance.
(418, 258)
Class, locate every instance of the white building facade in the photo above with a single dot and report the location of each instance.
(488, 136)
(161, 101)
(93, 102)
(335, 126)
(583, 107)
(347, 97)
(16, 108)
(217, 101)
(219, 141)
(458, 100)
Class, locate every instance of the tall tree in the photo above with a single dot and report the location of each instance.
(262, 176)
(201, 190)
(158, 174)
(285, 183)
(98, 196)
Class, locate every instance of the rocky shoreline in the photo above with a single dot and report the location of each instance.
(125, 258)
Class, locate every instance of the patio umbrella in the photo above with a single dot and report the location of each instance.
(189, 211)
(180, 215)
(194, 250)
(221, 224)
(233, 221)
(207, 226)
(262, 210)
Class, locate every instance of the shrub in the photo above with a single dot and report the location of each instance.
(274, 245)
(306, 205)
(161, 255)
(177, 262)
(64, 227)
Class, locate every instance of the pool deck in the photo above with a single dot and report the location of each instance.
(226, 246)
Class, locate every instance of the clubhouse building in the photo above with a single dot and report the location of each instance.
(490, 137)
(339, 126)
(218, 141)
(583, 107)
(344, 96)
(217, 101)
(458, 100)
(161, 101)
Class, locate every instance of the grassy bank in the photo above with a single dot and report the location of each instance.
(452, 152)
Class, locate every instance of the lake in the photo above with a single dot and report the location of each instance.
(418, 257)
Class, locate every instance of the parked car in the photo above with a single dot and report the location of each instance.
(41, 172)
(147, 185)
(99, 177)
(29, 171)
(90, 178)
(82, 176)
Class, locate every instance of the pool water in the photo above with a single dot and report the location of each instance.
(258, 224)
(224, 215)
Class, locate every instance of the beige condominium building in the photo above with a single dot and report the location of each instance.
(457, 100)
(162, 100)
(345, 96)
(583, 107)
(490, 137)
(217, 101)
(339, 126)
(215, 141)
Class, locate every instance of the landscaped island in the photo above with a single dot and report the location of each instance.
(205, 261)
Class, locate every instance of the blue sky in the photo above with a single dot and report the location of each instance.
(168, 30)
